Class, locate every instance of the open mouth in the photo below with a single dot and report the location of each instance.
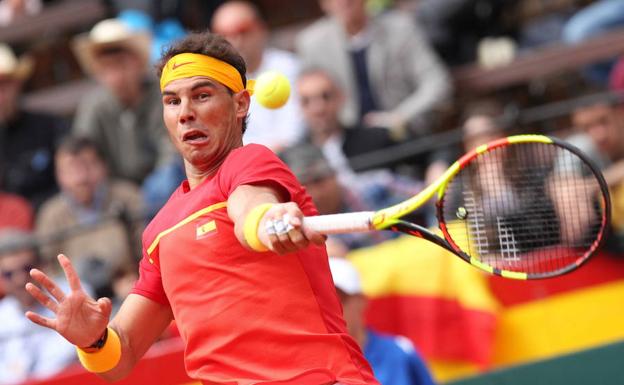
(194, 136)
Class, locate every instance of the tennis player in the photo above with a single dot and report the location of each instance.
(226, 257)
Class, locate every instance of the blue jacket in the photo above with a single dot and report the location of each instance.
(395, 361)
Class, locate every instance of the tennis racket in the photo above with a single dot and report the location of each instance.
(523, 207)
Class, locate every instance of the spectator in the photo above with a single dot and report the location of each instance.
(123, 281)
(394, 359)
(161, 183)
(25, 350)
(11, 10)
(332, 196)
(124, 114)
(595, 19)
(392, 76)
(27, 139)
(482, 123)
(598, 122)
(241, 23)
(94, 218)
(15, 212)
(321, 99)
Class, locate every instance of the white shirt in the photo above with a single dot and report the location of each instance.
(280, 127)
(28, 350)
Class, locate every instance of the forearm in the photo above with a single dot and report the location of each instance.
(243, 200)
(137, 331)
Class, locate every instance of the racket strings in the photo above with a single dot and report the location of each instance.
(529, 207)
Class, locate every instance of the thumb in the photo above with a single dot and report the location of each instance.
(106, 306)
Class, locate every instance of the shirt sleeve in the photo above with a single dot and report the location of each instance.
(256, 164)
(149, 284)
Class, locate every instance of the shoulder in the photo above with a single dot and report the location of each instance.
(53, 207)
(95, 99)
(316, 32)
(248, 152)
(395, 344)
(396, 27)
(395, 19)
(124, 189)
(11, 315)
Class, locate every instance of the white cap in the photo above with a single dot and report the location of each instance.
(346, 278)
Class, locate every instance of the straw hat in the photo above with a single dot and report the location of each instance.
(11, 66)
(109, 33)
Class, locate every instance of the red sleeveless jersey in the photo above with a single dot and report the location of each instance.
(246, 317)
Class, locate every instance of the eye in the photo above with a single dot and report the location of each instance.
(172, 101)
(203, 96)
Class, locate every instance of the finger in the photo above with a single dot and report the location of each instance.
(298, 238)
(293, 230)
(314, 236)
(42, 321)
(282, 229)
(275, 245)
(70, 273)
(41, 297)
(49, 285)
(106, 306)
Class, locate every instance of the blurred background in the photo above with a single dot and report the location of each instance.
(385, 95)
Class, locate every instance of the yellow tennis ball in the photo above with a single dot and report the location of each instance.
(272, 89)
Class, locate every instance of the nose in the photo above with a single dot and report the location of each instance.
(187, 113)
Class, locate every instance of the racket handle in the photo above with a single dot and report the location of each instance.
(340, 223)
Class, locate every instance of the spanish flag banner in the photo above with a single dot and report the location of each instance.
(418, 290)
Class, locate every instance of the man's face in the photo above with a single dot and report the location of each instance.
(14, 268)
(79, 175)
(326, 194)
(320, 102)
(9, 94)
(204, 120)
(121, 72)
(240, 26)
(603, 124)
(478, 130)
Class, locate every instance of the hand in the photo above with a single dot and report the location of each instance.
(79, 318)
(281, 229)
(389, 120)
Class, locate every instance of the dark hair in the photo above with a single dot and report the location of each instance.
(74, 145)
(209, 44)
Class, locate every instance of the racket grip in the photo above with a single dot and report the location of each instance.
(340, 223)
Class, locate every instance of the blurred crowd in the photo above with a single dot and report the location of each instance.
(367, 77)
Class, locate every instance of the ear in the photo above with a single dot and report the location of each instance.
(241, 104)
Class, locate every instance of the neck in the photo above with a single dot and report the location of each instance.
(319, 137)
(360, 336)
(132, 96)
(357, 25)
(196, 176)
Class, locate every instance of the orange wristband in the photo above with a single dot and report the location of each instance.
(250, 228)
(104, 359)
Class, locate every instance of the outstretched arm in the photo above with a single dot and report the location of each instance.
(246, 198)
(82, 320)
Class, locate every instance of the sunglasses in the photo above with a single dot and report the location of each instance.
(325, 96)
(8, 274)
